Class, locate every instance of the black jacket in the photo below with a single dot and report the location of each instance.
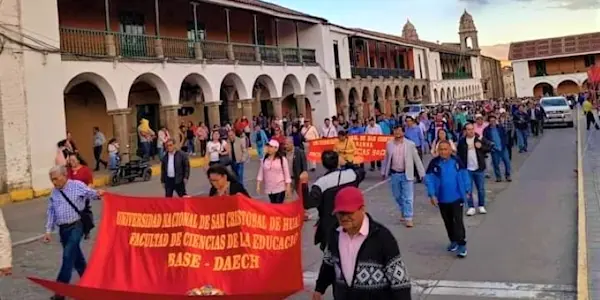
(322, 193)
(299, 164)
(182, 167)
(462, 150)
(234, 188)
(379, 273)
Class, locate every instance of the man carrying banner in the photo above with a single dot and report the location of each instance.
(401, 157)
(376, 271)
(345, 147)
(309, 133)
(67, 201)
(374, 128)
(323, 191)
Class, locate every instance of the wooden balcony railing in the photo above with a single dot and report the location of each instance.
(376, 72)
(96, 43)
(457, 75)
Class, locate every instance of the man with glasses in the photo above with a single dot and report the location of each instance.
(175, 170)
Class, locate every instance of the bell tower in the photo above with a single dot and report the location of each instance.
(467, 32)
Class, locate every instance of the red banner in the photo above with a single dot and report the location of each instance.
(594, 74)
(194, 246)
(369, 147)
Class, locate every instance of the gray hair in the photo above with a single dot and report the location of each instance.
(62, 170)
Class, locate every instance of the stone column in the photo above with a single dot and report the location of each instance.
(111, 48)
(359, 111)
(247, 109)
(158, 48)
(346, 111)
(277, 107)
(120, 129)
(301, 104)
(171, 118)
(214, 117)
(198, 52)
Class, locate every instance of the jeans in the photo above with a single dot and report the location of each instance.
(113, 160)
(191, 146)
(70, 238)
(501, 156)
(260, 150)
(403, 192)
(161, 153)
(146, 149)
(238, 168)
(522, 139)
(478, 178)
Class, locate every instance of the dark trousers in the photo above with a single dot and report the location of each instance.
(590, 119)
(203, 148)
(535, 127)
(70, 239)
(277, 198)
(97, 155)
(452, 214)
(510, 143)
(373, 163)
(171, 186)
(420, 151)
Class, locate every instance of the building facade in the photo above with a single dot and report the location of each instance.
(492, 80)
(508, 80)
(111, 63)
(554, 66)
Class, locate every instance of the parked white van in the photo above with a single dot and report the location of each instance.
(558, 111)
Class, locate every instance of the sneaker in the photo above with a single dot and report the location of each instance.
(409, 224)
(482, 210)
(461, 251)
(508, 179)
(452, 247)
(498, 180)
(471, 211)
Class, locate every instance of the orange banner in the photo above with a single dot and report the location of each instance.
(369, 147)
(195, 246)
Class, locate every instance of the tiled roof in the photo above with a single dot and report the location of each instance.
(433, 46)
(572, 44)
(276, 8)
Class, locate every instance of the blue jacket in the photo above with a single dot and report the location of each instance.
(487, 134)
(434, 180)
(259, 138)
(354, 130)
(385, 127)
(431, 134)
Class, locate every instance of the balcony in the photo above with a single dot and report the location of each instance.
(457, 75)
(105, 44)
(376, 72)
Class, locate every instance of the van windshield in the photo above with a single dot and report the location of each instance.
(415, 108)
(554, 102)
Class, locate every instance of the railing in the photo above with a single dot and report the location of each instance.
(134, 45)
(214, 50)
(83, 41)
(457, 75)
(376, 72)
(178, 47)
(105, 43)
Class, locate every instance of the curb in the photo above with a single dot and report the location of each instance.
(582, 263)
(99, 181)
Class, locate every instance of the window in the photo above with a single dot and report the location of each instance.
(132, 42)
(420, 68)
(540, 68)
(261, 40)
(200, 34)
(382, 62)
(589, 60)
(336, 59)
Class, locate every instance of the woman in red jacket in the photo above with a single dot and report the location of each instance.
(78, 170)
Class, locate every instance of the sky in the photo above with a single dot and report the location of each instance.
(497, 21)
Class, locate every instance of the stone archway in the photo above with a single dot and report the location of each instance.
(416, 93)
(366, 103)
(340, 102)
(543, 89)
(378, 99)
(397, 99)
(313, 93)
(442, 95)
(584, 86)
(406, 94)
(231, 91)
(86, 99)
(567, 87)
(424, 95)
(388, 101)
(449, 94)
(263, 90)
(454, 93)
(436, 98)
(194, 92)
(353, 102)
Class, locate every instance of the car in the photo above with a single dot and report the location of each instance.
(413, 110)
(558, 111)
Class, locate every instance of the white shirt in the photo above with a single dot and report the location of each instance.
(214, 150)
(171, 165)
(375, 129)
(330, 131)
(472, 164)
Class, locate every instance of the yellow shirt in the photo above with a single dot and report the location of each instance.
(587, 106)
(345, 149)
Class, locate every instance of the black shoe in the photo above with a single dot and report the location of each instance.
(372, 169)
(498, 180)
(57, 297)
(508, 179)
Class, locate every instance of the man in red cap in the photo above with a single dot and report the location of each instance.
(362, 259)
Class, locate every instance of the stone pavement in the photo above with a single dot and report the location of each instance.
(591, 175)
(512, 254)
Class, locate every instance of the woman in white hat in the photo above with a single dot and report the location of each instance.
(275, 173)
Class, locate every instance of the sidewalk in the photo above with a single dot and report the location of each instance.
(591, 190)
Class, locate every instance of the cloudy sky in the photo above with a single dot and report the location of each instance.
(498, 21)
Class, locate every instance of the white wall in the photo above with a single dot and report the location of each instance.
(344, 53)
(524, 84)
(419, 63)
(435, 68)
(476, 67)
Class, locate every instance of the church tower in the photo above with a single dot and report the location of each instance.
(467, 31)
(409, 32)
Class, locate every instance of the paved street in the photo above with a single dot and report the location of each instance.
(524, 248)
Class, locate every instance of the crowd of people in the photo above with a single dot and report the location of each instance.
(465, 145)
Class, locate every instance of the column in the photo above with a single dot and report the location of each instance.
(298, 42)
(214, 118)
(120, 129)
(301, 104)
(171, 117)
(277, 107)
(198, 53)
(158, 46)
(279, 52)
(109, 38)
(230, 55)
(359, 110)
(368, 54)
(256, 47)
(247, 108)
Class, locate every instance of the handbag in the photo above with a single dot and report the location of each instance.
(87, 216)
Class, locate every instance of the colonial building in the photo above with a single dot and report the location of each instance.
(508, 80)
(554, 66)
(491, 78)
(71, 65)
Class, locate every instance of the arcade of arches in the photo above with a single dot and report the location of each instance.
(87, 99)
(471, 92)
(565, 87)
(368, 101)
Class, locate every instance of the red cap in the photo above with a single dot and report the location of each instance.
(348, 199)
